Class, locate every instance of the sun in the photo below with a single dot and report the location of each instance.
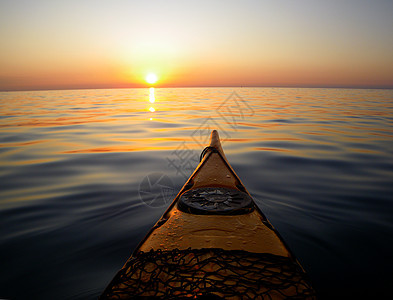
(151, 78)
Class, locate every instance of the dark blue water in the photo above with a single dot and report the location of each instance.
(318, 162)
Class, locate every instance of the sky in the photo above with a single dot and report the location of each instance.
(56, 44)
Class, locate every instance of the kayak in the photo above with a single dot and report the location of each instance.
(213, 242)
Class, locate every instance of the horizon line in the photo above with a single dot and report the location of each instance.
(376, 87)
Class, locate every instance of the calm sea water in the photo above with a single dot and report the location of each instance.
(318, 162)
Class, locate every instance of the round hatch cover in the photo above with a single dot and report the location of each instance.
(215, 201)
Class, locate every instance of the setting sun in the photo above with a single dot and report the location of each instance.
(151, 78)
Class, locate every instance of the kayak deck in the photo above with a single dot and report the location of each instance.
(212, 241)
(234, 274)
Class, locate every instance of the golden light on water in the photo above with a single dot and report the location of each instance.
(151, 78)
(152, 98)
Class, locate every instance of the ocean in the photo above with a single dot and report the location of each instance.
(78, 172)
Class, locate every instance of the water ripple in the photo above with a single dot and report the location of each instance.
(319, 163)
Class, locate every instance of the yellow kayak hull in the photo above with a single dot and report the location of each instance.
(214, 242)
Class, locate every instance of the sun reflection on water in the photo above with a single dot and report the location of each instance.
(152, 98)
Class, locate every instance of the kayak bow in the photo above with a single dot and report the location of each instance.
(212, 242)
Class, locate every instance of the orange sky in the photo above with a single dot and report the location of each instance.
(87, 44)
